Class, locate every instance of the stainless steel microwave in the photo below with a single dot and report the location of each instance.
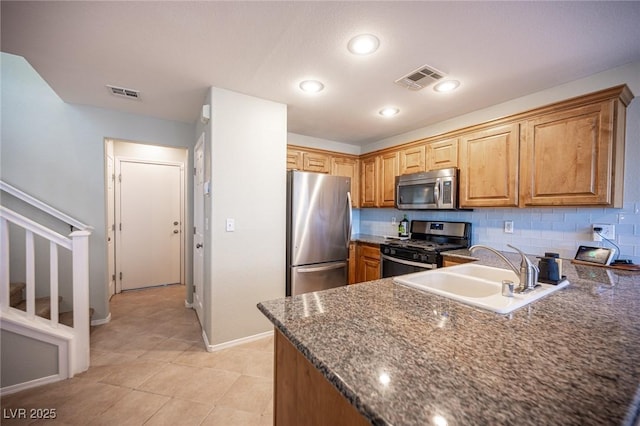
(432, 190)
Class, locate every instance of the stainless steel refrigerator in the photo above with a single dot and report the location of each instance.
(318, 231)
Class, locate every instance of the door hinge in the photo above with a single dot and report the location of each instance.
(120, 276)
(113, 277)
(113, 226)
(195, 172)
(120, 226)
(113, 177)
(120, 177)
(194, 230)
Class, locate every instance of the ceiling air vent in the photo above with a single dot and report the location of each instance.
(124, 93)
(420, 78)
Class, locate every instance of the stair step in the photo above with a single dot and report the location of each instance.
(15, 291)
(43, 306)
(66, 318)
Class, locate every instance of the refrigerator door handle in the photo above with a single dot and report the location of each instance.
(323, 268)
(350, 207)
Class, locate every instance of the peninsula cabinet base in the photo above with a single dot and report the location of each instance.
(303, 396)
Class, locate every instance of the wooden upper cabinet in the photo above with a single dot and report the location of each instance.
(387, 172)
(347, 166)
(442, 154)
(567, 157)
(489, 167)
(369, 181)
(316, 162)
(413, 159)
(294, 159)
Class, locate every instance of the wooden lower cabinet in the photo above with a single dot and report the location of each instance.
(453, 260)
(303, 396)
(368, 262)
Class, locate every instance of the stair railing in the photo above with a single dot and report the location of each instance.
(78, 244)
(74, 223)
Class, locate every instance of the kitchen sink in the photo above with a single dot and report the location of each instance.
(476, 285)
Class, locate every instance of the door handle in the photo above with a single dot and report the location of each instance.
(175, 231)
(175, 223)
(198, 245)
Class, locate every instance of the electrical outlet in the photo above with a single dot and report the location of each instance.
(607, 231)
(393, 221)
(508, 226)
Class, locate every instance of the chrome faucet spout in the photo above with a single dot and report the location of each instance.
(527, 273)
(497, 253)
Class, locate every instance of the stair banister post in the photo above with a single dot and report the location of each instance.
(4, 265)
(80, 265)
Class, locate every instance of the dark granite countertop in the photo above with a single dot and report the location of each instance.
(366, 238)
(404, 357)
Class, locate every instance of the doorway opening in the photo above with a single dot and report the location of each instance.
(146, 235)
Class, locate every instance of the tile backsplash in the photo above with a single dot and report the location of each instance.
(535, 230)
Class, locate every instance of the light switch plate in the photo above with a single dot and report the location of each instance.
(231, 225)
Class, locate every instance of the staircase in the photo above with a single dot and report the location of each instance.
(33, 325)
(43, 305)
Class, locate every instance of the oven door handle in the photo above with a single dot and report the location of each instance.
(407, 262)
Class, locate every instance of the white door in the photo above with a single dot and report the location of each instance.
(149, 225)
(198, 223)
(111, 226)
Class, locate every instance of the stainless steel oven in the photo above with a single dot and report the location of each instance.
(424, 250)
(394, 264)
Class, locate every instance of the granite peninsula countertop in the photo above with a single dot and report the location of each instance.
(404, 357)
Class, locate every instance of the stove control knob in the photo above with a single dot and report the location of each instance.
(416, 256)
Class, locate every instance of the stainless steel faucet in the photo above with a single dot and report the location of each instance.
(528, 272)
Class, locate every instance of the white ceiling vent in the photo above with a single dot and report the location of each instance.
(420, 78)
(124, 93)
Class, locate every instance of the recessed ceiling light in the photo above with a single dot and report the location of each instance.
(446, 86)
(311, 86)
(363, 44)
(388, 112)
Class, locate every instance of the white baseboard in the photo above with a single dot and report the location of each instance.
(236, 342)
(102, 321)
(7, 390)
(188, 305)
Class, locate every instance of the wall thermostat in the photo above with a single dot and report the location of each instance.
(597, 255)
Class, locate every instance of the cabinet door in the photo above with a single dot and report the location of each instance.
(413, 160)
(489, 167)
(442, 154)
(566, 157)
(353, 265)
(368, 262)
(388, 170)
(316, 162)
(294, 159)
(345, 166)
(368, 182)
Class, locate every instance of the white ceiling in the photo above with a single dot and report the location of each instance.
(173, 51)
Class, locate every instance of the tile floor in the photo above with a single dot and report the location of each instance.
(149, 367)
